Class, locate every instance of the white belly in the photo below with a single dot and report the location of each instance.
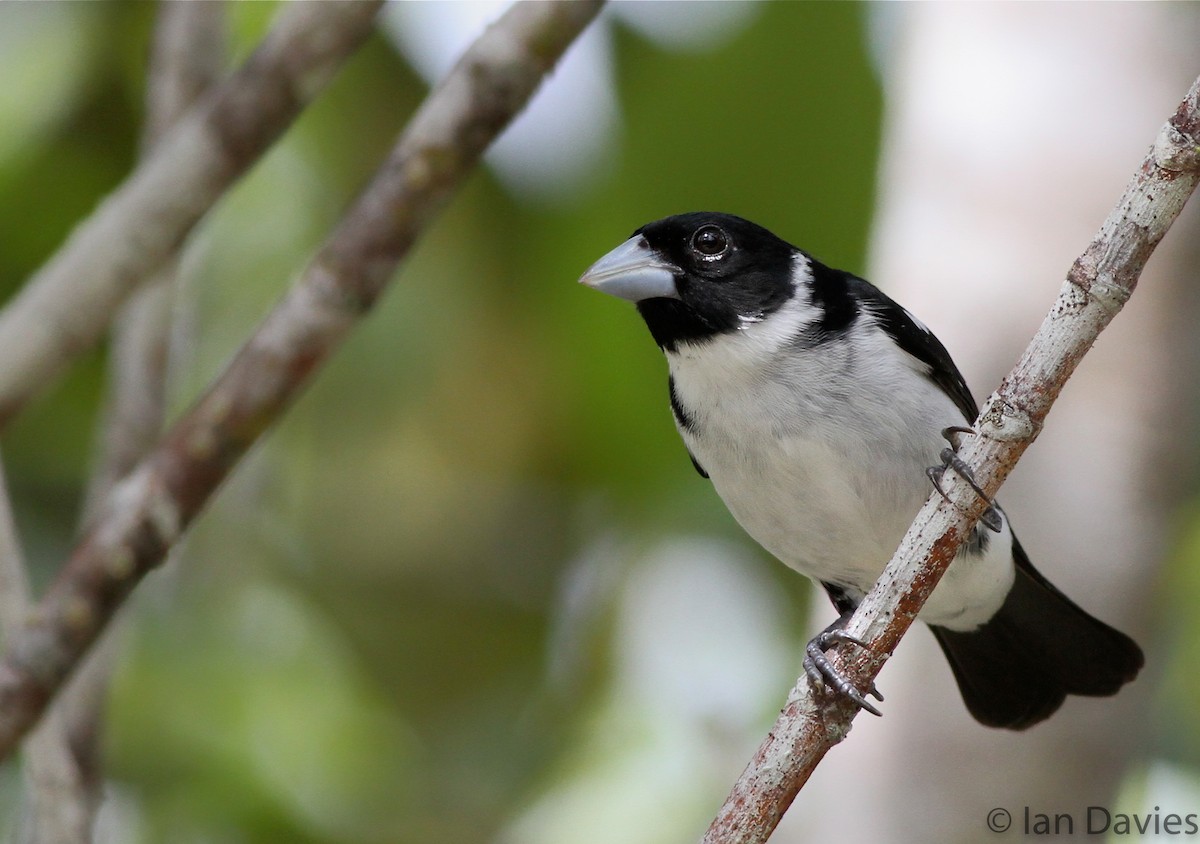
(828, 488)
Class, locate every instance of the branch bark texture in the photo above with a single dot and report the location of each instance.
(66, 306)
(147, 512)
(55, 808)
(186, 61)
(1097, 286)
(63, 756)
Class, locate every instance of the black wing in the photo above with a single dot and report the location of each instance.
(918, 341)
(842, 602)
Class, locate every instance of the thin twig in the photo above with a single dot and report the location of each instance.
(187, 58)
(1096, 288)
(50, 773)
(147, 512)
(186, 61)
(14, 575)
(52, 810)
(62, 770)
(66, 306)
(58, 806)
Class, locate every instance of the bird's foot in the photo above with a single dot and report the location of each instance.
(990, 518)
(822, 672)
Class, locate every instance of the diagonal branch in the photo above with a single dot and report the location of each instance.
(187, 58)
(62, 779)
(148, 511)
(65, 307)
(14, 574)
(1097, 286)
(55, 808)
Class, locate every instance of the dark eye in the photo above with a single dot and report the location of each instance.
(710, 243)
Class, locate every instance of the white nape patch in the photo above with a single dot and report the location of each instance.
(819, 450)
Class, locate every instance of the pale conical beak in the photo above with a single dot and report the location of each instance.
(633, 271)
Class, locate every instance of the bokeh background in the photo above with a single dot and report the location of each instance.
(470, 588)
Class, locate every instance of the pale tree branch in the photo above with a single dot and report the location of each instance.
(52, 810)
(186, 60)
(148, 511)
(14, 576)
(1097, 286)
(64, 772)
(66, 306)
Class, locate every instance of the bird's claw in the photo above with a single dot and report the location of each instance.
(990, 518)
(822, 672)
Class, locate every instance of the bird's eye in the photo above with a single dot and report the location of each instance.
(710, 243)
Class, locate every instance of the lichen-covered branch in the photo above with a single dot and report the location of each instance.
(186, 60)
(64, 774)
(53, 808)
(1096, 288)
(66, 306)
(147, 512)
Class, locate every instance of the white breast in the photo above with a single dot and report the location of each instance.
(820, 453)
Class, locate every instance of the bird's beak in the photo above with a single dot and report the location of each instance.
(633, 271)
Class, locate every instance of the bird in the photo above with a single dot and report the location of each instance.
(819, 409)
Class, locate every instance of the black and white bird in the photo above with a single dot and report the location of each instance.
(815, 404)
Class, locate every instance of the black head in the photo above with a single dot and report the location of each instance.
(695, 276)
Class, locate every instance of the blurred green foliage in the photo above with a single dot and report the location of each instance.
(399, 621)
(361, 640)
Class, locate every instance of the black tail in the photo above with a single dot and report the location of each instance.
(1017, 669)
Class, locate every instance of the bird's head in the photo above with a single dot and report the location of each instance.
(699, 275)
